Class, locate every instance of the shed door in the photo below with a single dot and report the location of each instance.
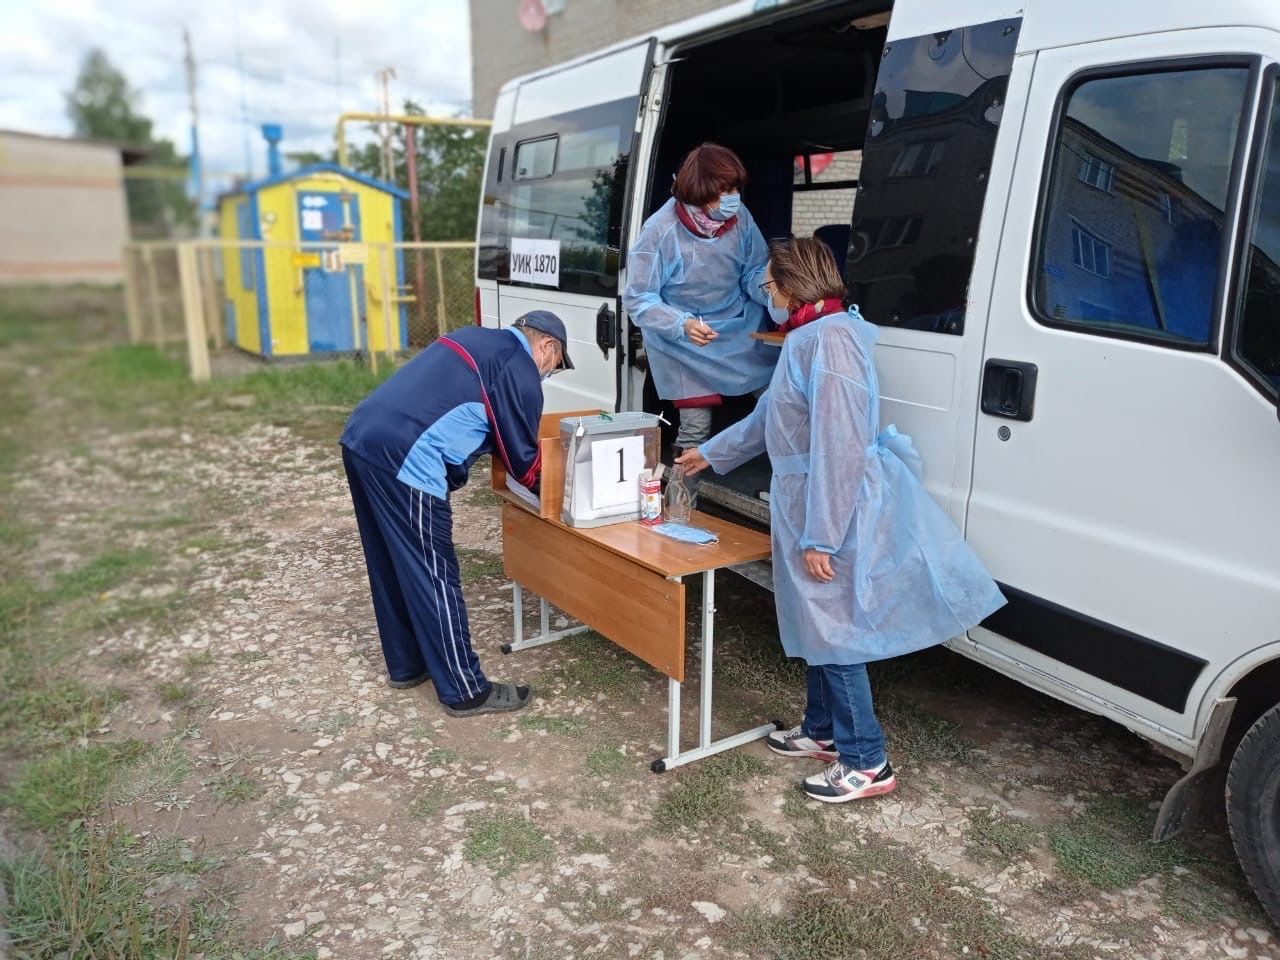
(325, 216)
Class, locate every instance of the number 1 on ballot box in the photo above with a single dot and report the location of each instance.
(615, 472)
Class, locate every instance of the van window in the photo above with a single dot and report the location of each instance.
(1131, 231)
(1256, 343)
(567, 183)
(535, 159)
(931, 136)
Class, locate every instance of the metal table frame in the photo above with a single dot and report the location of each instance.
(706, 746)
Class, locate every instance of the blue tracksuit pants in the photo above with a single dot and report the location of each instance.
(415, 581)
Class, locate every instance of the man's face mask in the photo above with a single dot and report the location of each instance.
(730, 204)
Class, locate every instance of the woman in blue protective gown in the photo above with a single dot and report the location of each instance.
(865, 564)
(693, 289)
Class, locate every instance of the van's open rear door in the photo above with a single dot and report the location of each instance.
(555, 212)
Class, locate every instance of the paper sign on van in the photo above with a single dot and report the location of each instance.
(535, 261)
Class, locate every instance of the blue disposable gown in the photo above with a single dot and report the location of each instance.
(672, 275)
(904, 577)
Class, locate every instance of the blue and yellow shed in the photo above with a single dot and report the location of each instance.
(318, 284)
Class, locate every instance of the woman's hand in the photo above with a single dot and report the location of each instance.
(698, 333)
(819, 565)
(691, 462)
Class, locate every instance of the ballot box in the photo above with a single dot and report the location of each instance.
(604, 456)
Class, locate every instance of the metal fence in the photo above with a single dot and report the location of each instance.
(231, 301)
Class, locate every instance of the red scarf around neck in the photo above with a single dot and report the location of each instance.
(712, 230)
(810, 312)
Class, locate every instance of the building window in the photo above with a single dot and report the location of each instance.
(1154, 277)
(1096, 173)
(918, 159)
(1089, 252)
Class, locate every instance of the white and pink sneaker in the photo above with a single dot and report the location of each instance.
(793, 743)
(839, 783)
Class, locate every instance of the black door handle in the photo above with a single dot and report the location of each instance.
(606, 323)
(1009, 389)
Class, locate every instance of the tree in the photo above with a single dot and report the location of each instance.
(450, 168)
(104, 106)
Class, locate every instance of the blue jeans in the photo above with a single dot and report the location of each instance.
(840, 709)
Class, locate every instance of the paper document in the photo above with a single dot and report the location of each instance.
(524, 493)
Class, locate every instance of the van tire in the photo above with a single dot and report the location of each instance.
(1253, 808)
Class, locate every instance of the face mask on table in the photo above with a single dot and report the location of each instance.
(730, 204)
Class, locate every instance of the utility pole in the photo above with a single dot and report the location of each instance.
(384, 77)
(337, 71)
(196, 166)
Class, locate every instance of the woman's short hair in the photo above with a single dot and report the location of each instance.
(705, 172)
(805, 271)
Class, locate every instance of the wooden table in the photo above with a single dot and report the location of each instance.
(627, 582)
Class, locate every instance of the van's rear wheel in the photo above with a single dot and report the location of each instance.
(1253, 808)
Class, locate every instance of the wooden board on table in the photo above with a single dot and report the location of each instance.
(636, 608)
(772, 337)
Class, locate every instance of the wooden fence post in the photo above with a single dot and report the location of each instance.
(193, 312)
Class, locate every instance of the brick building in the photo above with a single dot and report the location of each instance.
(501, 48)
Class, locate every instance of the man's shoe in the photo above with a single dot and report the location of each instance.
(793, 743)
(408, 684)
(838, 783)
(503, 698)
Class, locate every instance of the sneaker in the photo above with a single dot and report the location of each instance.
(839, 783)
(793, 743)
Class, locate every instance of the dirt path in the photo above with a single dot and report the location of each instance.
(360, 822)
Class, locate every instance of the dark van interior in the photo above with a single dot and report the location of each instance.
(789, 88)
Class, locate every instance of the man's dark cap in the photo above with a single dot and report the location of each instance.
(547, 322)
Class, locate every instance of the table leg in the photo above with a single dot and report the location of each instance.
(545, 635)
(708, 639)
(706, 746)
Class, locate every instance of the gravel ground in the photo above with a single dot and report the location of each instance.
(368, 824)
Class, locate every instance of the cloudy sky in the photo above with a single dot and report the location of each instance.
(304, 60)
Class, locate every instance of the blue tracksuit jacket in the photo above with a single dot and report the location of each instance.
(472, 392)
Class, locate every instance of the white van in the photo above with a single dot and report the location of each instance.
(1067, 225)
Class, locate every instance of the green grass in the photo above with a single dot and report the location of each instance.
(997, 839)
(711, 793)
(605, 762)
(555, 726)
(39, 709)
(478, 564)
(198, 661)
(887, 902)
(428, 803)
(70, 783)
(231, 788)
(915, 731)
(174, 693)
(152, 775)
(1108, 845)
(110, 894)
(591, 662)
(504, 842)
(439, 756)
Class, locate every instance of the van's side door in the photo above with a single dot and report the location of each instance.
(555, 211)
(1124, 471)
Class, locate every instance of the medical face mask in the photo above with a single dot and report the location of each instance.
(683, 533)
(730, 204)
